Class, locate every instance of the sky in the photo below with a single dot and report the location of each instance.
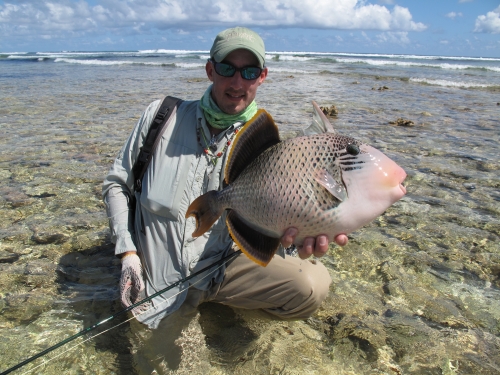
(423, 27)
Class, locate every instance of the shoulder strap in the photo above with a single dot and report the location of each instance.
(157, 128)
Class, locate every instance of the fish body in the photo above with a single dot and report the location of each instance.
(320, 184)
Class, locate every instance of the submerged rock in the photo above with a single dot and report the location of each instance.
(402, 122)
(6, 257)
(48, 238)
(330, 111)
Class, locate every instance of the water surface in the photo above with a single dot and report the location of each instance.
(416, 291)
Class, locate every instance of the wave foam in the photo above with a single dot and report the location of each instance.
(189, 65)
(286, 57)
(171, 51)
(93, 62)
(442, 82)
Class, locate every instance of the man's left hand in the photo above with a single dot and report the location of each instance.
(312, 246)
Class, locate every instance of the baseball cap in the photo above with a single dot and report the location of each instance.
(235, 38)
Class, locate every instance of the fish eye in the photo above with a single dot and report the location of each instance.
(352, 149)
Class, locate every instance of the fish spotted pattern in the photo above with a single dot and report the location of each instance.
(320, 184)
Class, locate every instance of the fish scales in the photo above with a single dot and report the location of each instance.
(278, 190)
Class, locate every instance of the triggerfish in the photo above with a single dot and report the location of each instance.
(320, 184)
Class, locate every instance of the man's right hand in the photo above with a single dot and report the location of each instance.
(312, 246)
(132, 287)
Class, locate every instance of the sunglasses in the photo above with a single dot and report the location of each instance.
(227, 70)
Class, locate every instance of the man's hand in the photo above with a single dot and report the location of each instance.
(132, 287)
(312, 246)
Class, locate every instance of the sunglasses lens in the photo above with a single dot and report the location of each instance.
(251, 72)
(225, 70)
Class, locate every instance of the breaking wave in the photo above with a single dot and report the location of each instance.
(446, 83)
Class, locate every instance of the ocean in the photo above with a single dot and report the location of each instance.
(416, 291)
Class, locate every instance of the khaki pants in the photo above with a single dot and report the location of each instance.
(288, 288)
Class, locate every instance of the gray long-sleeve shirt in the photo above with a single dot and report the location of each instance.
(179, 172)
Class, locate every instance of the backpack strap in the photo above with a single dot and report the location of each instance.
(157, 128)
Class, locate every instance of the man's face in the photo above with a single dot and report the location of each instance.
(234, 94)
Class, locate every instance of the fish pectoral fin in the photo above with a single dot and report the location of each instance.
(257, 246)
(326, 180)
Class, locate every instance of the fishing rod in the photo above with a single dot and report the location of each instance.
(131, 307)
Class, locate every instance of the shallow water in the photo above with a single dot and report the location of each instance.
(416, 291)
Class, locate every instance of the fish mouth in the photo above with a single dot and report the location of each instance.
(402, 187)
(401, 183)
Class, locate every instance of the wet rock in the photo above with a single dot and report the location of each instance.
(469, 186)
(425, 113)
(367, 333)
(44, 238)
(196, 80)
(42, 195)
(40, 267)
(6, 257)
(17, 199)
(330, 111)
(402, 122)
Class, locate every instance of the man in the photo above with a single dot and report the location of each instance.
(155, 241)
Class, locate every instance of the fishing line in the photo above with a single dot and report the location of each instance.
(219, 263)
(45, 362)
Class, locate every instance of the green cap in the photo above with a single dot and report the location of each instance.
(238, 37)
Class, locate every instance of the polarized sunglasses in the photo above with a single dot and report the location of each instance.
(227, 70)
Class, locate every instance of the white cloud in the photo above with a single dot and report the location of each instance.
(465, 1)
(397, 37)
(490, 23)
(452, 15)
(58, 17)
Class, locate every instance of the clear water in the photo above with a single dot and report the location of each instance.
(416, 291)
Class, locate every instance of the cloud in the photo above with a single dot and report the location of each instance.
(69, 17)
(465, 1)
(452, 15)
(397, 37)
(490, 23)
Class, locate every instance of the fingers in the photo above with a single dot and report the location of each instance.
(314, 246)
(341, 239)
(289, 237)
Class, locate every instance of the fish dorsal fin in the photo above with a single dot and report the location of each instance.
(256, 136)
(320, 123)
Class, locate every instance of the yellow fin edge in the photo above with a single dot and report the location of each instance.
(238, 243)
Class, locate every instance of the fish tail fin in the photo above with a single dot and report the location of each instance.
(206, 210)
